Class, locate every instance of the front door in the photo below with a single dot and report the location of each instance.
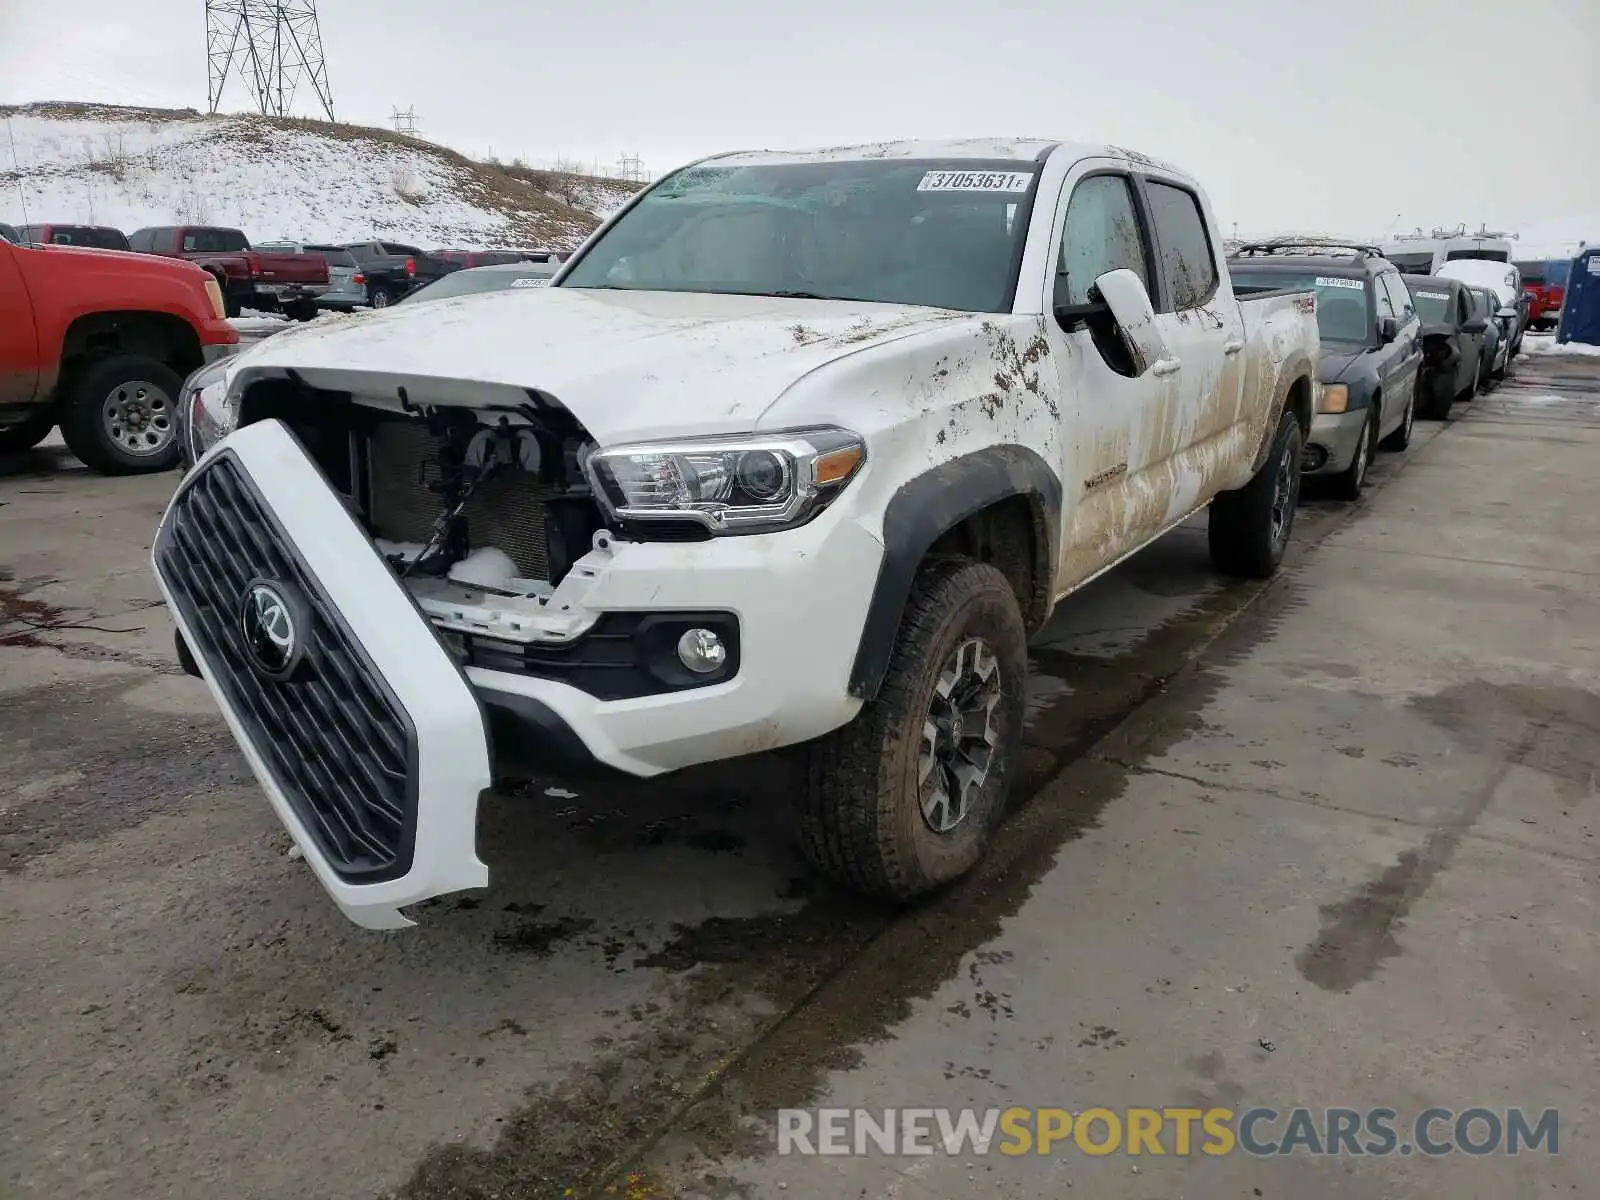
(19, 348)
(1099, 229)
(1400, 361)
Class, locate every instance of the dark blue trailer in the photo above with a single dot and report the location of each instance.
(1580, 315)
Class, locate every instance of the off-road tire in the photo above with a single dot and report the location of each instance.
(301, 310)
(1245, 539)
(861, 818)
(1347, 484)
(16, 439)
(83, 425)
(1401, 437)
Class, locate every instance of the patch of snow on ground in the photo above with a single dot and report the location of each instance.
(310, 184)
(1583, 349)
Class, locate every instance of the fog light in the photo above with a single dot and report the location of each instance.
(701, 651)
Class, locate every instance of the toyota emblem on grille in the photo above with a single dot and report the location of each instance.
(272, 619)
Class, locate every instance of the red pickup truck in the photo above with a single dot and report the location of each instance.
(276, 281)
(99, 342)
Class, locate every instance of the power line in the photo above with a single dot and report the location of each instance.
(272, 45)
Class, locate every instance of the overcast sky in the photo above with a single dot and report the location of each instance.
(1292, 113)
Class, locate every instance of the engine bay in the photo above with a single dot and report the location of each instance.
(483, 513)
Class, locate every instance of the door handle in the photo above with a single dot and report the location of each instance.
(1232, 347)
(1166, 366)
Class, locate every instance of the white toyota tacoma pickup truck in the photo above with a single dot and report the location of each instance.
(797, 449)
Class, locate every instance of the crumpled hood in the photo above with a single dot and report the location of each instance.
(1337, 361)
(628, 364)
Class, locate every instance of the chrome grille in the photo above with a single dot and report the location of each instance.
(507, 512)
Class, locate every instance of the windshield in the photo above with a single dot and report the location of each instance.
(1341, 303)
(1532, 272)
(1433, 304)
(947, 234)
(1555, 271)
(466, 283)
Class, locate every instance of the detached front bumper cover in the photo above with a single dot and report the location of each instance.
(364, 733)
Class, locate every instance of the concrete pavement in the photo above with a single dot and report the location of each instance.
(1351, 859)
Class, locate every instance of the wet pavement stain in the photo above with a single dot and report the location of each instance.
(539, 938)
(1548, 728)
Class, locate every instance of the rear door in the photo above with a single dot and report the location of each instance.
(1099, 227)
(1204, 332)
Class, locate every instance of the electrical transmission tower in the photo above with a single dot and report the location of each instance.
(272, 45)
(629, 167)
(405, 122)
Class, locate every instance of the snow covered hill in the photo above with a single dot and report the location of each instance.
(279, 180)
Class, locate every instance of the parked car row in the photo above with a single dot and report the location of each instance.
(1394, 346)
(295, 278)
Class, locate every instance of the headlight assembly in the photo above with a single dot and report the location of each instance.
(206, 413)
(1335, 398)
(744, 484)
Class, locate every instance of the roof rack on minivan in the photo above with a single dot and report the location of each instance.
(1306, 246)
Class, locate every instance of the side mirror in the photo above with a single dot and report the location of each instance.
(1476, 325)
(1507, 313)
(1388, 330)
(1124, 294)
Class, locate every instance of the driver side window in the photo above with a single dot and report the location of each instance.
(1101, 233)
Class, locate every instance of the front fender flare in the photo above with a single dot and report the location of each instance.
(929, 506)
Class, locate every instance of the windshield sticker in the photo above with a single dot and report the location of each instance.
(1354, 285)
(975, 181)
(524, 283)
(1434, 295)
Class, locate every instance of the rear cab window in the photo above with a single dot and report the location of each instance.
(336, 256)
(1188, 264)
(400, 251)
(214, 241)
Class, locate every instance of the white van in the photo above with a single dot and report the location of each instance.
(1417, 254)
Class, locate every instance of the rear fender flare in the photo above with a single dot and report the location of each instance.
(1295, 368)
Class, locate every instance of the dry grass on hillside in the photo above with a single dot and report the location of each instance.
(542, 207)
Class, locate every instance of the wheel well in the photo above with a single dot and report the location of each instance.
(161, 336)
(1300, 403)
(1012, 534)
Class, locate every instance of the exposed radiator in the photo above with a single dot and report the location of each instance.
(507, 512)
